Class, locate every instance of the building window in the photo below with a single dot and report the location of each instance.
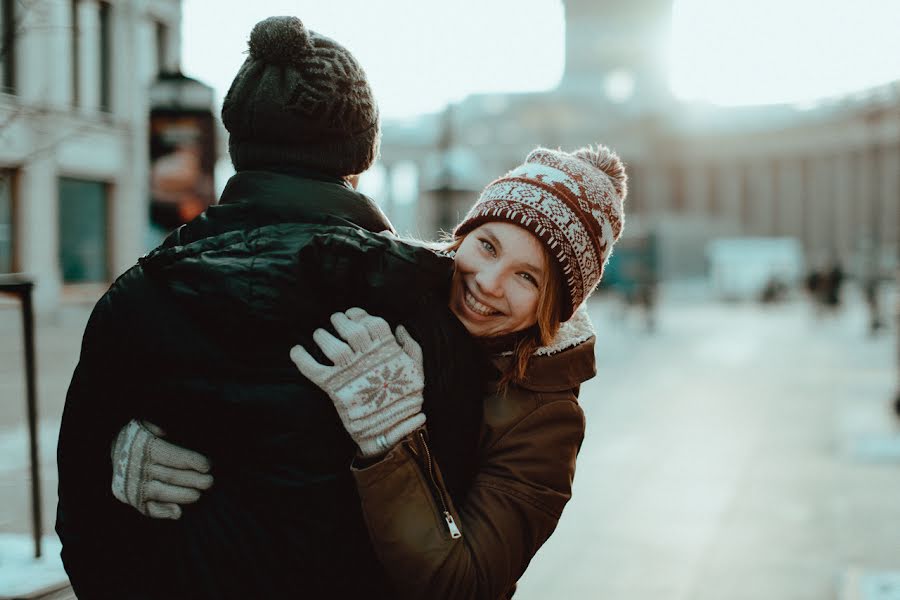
(83, 223)
(105, 57)
(8, 46)
(7, 241)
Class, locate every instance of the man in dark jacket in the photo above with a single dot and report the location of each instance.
(196, 339)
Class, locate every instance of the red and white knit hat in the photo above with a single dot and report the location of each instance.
(572, 202)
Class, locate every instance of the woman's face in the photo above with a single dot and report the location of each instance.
(500, 268)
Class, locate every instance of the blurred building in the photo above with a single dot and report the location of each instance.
(828, 175)
(74, 165)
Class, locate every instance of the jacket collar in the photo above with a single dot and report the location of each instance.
(565, 363)
(254, 199)
(297, 195)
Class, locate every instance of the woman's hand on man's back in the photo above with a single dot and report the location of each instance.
(376, 381)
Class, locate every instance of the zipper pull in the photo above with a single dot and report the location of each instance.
(455, 533)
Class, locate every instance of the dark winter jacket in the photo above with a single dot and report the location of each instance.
(195, 338)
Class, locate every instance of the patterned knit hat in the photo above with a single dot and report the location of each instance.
(573, 203)
(300, 99)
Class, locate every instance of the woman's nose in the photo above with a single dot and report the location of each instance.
(490, 282)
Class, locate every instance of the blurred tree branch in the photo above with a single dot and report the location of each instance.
(11, 31)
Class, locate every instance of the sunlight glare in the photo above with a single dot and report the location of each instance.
(782, 51)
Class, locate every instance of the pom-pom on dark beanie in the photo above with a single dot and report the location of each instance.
(300, 99)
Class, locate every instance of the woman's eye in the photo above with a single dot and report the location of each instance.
(487, 246)
(528, 277)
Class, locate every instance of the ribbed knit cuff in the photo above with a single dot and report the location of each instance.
(382, 443)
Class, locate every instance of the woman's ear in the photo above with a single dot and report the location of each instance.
(352, 180)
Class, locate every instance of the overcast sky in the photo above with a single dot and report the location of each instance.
(421, 54)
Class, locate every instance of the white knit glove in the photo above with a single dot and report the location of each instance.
(376, 382)
(153, 475)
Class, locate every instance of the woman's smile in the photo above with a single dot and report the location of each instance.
(472, 303)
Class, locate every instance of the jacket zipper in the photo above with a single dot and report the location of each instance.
(455, 533)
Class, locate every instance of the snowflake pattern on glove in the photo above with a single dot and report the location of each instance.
(376, 381)
(383, 384)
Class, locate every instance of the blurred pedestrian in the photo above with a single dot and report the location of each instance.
(815, 290)
(870, 293)
(831, 286)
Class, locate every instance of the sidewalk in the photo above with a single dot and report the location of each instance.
(58, 339)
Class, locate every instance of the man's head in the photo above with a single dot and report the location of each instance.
(300, 99)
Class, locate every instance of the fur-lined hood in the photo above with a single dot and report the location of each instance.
(573, 332)
(565, 363)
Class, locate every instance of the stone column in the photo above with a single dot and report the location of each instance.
(792, 199)
(387, 199)
(656, 197)
(860, 185)
(728, 186)
(819, 208)
(58, 69)
(89, 59)
(844, 207)
(761, 191)
(889, 200)
(43, 67)
(697, 190)
(128, 89)
(129, 193)
(634, 201)
(866, 191)
(37, 220)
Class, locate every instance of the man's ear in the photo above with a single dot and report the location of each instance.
(352, 180)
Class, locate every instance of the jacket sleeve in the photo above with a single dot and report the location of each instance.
(523, 482)
(93, 414)
(346, 261)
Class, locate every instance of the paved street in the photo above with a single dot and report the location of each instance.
(740, 452)
(743, 452)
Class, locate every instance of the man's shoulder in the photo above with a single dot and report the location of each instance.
(129, 283)
(131, 291)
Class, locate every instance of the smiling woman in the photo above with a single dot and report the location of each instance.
(527, 255)
(529, 250)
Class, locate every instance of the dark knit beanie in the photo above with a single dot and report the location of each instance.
(572, 202)
(300, 99)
